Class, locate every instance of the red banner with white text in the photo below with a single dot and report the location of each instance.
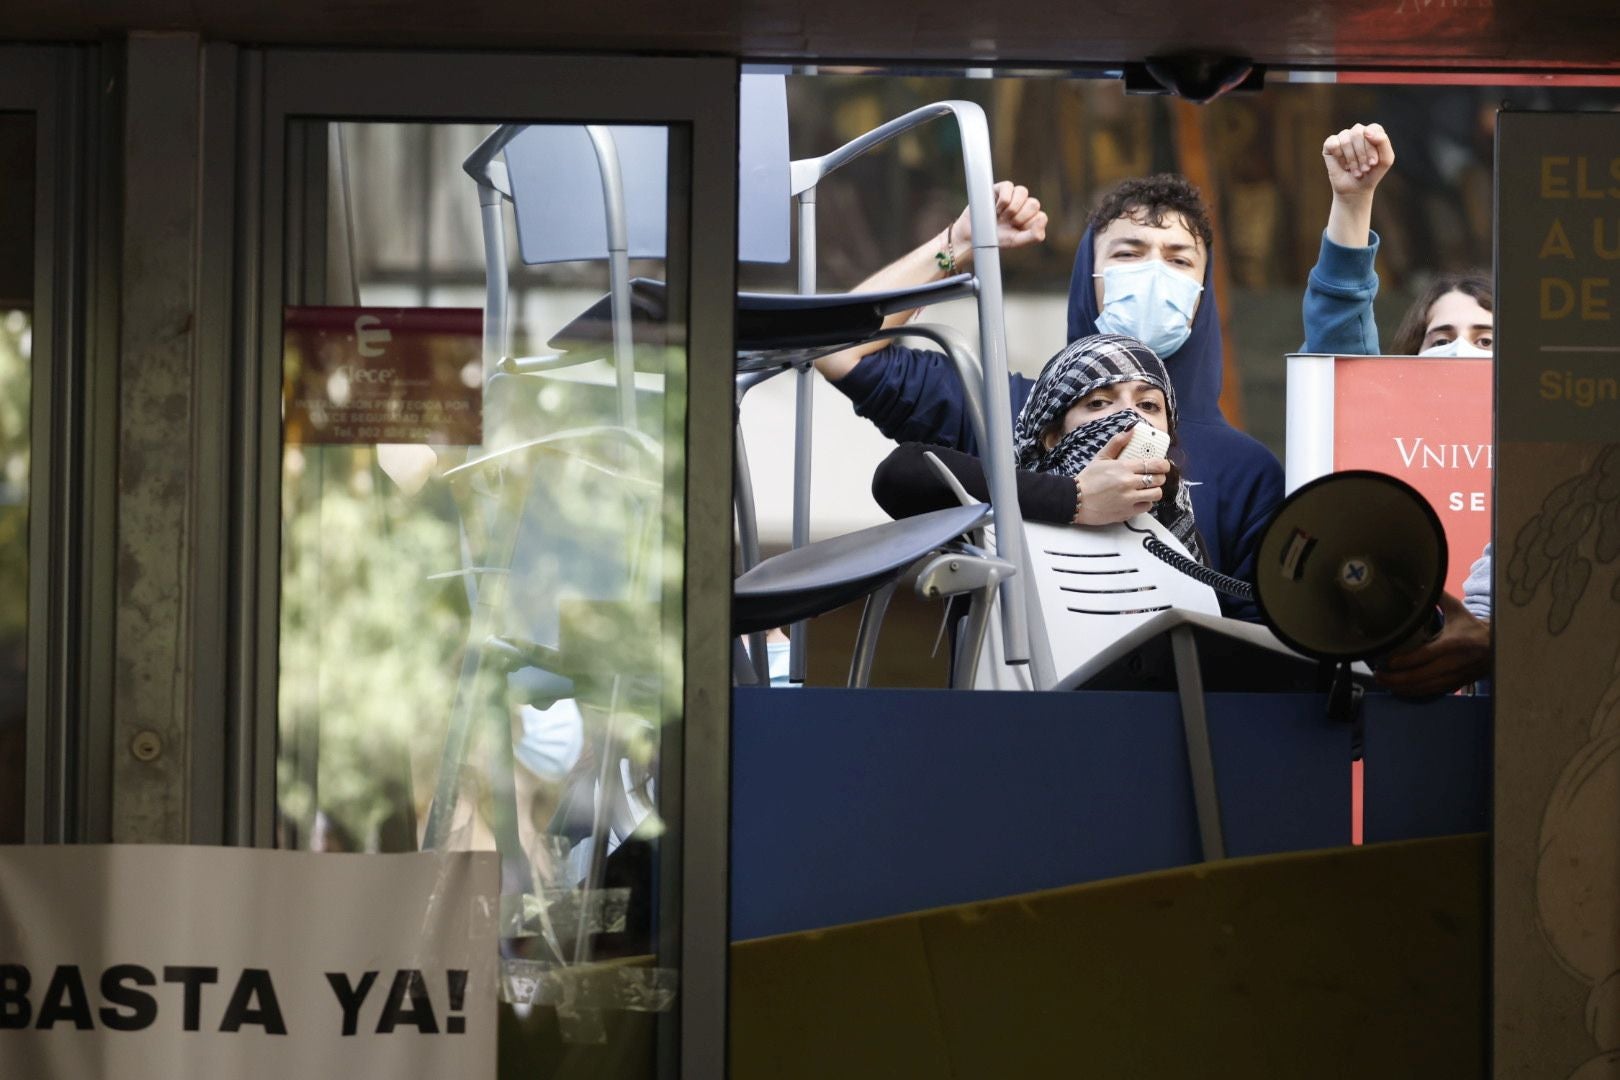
(1426, 420)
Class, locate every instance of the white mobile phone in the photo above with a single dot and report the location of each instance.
(1147, 443)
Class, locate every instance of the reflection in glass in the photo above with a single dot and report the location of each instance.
(480, 570)
(16, 347)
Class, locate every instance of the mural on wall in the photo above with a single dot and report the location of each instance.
(1576, 902)
(1556, 843)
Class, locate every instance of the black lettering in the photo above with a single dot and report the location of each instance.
(457, 981)
(192, 978)
(350, 997)
(15, 1011)
(65, 1000)
(118, 989)
(254, 983)
(420, 1014)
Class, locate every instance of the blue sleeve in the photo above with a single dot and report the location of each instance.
(912, 395)
(1476, 595)
(1339, 301)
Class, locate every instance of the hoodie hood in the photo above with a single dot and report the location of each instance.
(1195, 368)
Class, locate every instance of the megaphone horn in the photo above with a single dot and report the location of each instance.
(1351, 567)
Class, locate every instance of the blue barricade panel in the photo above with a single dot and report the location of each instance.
(1428, 770)
(851, 805)
(1282, 770)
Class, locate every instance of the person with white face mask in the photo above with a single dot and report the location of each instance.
(1453, 317)
(1144, 271)
(1455, 348)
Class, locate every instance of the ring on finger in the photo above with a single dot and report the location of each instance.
(1147, 480)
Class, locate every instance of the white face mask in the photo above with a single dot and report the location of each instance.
(552, 739)
(778, 653)
(1150, 302)
(1456, 347)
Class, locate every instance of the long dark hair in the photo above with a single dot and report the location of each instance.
(1409, 335)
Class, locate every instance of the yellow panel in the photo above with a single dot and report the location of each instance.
(1355, 962)
(850, 1003)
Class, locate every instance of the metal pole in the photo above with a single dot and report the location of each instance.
(618, 244)
(802, 415)
(1200, 758)
(748, 543)
(997, 405)
(495, 286)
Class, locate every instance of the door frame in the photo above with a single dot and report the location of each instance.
(278, 86)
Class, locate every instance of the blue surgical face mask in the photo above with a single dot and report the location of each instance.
(1149, 302)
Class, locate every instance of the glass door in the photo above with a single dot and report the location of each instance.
(494, 404)
(18, 166)
(42, 676)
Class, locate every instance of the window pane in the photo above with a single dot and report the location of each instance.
(481, 523)
(16, 340)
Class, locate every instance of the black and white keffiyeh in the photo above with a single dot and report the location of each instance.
(1085, 365)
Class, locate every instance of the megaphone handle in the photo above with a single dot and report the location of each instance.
(1344, 698)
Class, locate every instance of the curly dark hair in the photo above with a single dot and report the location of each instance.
(1414, 327)
(1155, 199)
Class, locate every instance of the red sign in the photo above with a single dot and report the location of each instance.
(1427, 421)
(382, 375)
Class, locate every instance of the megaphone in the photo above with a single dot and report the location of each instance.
(1351, 567)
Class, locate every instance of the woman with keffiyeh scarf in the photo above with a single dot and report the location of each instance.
(1067, 443)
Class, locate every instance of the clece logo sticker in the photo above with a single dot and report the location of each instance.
(363, 376)
(369, 340)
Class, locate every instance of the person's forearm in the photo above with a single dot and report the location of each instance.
(917, 267)
(906, 484)
(1350, 220)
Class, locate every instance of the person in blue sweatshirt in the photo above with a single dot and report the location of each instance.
(1453, 317)
(1143, 270)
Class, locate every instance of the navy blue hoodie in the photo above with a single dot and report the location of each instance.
(1237, 482)
(913, 395)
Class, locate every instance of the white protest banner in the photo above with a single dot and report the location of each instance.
(141, 962)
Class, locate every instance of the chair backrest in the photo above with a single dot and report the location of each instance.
(1095, 585)
(764, 190)
(557, 196)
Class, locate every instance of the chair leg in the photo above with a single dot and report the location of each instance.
(1195, 725)
(607, 774)
(517, 873)
(748, 549)
(742, 666)
(860, 664)
(970, 643)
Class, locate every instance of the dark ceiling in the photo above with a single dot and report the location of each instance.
(1553, 34)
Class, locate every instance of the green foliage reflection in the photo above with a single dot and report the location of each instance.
(569, 521)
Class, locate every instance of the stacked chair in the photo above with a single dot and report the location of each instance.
(596, 192)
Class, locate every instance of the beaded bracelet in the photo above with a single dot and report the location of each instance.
(946, 258)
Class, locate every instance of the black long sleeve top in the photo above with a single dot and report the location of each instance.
(906, 484)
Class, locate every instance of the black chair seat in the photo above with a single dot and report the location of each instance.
(830, 573)
(768, 321)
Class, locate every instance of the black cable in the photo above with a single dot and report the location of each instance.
(1192, 568)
